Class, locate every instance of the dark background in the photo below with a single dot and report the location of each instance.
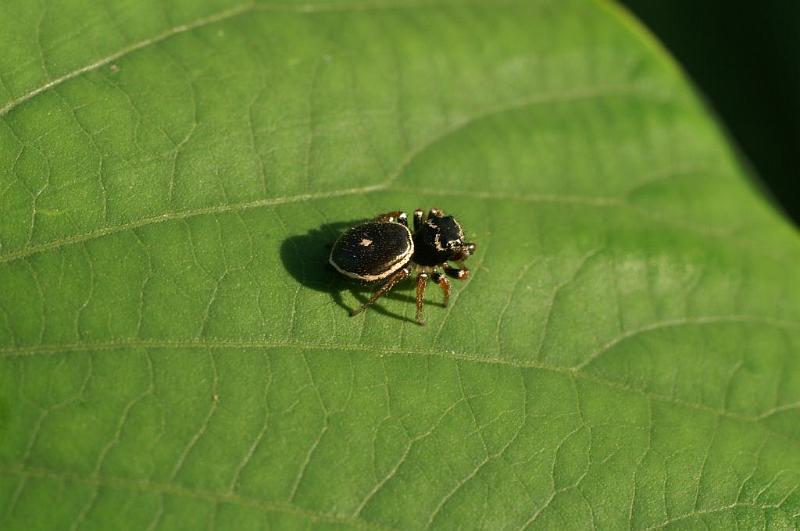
(745, 59)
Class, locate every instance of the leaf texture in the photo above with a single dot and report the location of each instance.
(175, 355)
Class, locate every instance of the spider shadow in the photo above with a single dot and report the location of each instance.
(305, 257)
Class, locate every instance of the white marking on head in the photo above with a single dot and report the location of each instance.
(365, 242)
(437, 241)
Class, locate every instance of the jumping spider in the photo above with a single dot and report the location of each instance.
(385, 251)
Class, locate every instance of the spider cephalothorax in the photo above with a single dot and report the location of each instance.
(385, 250)
(439, 239)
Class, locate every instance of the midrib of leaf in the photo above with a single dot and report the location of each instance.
(576, 371)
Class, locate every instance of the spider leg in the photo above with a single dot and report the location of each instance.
(444, 284)
(460, 274)
(383, 290)
(422, 281)
(418, 218)
(435, 213)
(397, 216)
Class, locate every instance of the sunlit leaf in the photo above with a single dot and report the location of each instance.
(174, 353)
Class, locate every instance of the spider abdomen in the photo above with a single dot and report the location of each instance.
(372, 250)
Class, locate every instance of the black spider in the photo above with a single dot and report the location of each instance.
(385, 250)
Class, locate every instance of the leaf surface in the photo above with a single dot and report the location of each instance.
(174, 353)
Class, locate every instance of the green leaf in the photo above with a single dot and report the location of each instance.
(174, 353)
